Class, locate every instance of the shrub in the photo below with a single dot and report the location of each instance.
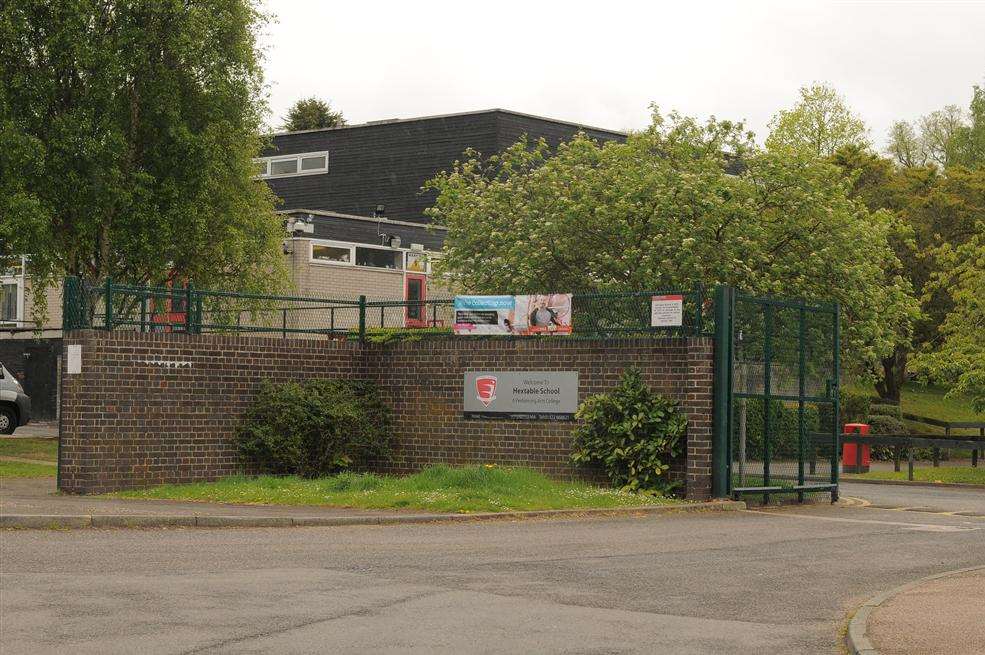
(784, 427)
(314, 428)
(885, 409)
(631, 432)
(855, 406)
(885, 424)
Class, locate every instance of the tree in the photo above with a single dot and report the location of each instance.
(312, 114)
(939, 134)
(970, 140)
(127, 133)
(945, 137)
(905, 145)
(662, 211)
(817, 125)
(960, 357)
(932, 210)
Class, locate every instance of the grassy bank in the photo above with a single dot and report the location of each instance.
(437, 489)
(952, 474)
(43, 449)
(26, 470)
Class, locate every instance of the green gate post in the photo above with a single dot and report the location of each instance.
(721, 415)
(802, 391)
(362, 319)
(835, 428)
(109, 304)
(699, 298)
(72, 310)
(767, 395)
(188, 308)
(143, 309)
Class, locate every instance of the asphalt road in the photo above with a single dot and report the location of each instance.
(742, 582)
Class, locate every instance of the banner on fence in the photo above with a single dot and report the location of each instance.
(517, 315)
(667, 311)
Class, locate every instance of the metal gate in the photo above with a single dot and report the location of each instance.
(776, 405)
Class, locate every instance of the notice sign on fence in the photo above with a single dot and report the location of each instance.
(544, 395)
(667, 311)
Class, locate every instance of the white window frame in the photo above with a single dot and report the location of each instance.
(19, 281)
(269, 161)
(352, 256)
(335, 244)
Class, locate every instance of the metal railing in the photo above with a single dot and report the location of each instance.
(110, 306)
(911, 442)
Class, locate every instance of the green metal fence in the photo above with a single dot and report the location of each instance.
(108, 305)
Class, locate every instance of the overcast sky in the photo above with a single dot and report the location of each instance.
(602, 63)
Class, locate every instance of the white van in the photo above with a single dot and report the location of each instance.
(15, 405)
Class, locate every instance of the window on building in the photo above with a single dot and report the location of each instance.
(317, 163)
(337, 254)
(9, 301)
(303, 163)
(377, 258)
(417, 262)
(283, 167)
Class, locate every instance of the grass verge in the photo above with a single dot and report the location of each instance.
(26, 470)
(436, 488)
(953, 474)
(45, 449)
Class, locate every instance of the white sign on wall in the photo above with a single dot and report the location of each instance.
(667, 311)
(74, 359)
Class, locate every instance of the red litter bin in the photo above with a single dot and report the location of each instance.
(850, 454)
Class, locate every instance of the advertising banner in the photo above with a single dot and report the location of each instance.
(667, 311)
(517, 315)
(544, 395)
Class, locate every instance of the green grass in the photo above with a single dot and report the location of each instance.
(436, 488)
(25, 470)
(42, 449)
(929, 401)
(959, 474)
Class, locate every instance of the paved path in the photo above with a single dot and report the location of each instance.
(738, 582)
(36, 429)
(930, 499)
(946, 615)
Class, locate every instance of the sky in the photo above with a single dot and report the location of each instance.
(603, 63)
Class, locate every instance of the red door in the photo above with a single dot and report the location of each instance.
(415, 293)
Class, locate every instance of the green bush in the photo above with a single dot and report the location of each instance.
(784, 427)
(885, 424)
(314, 428)
(631, 432)
(855, 406)
(885, 409)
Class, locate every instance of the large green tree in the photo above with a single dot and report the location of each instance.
(819, 124)
(959, 358)
(932, 212)
(312, 114)
(663, 210)
(127, 132)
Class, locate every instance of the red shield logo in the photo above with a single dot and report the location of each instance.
(485, 389)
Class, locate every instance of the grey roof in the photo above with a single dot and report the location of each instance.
(389, 121)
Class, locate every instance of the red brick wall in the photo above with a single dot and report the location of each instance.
(153, 408)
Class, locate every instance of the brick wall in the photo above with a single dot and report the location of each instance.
(153, 408)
